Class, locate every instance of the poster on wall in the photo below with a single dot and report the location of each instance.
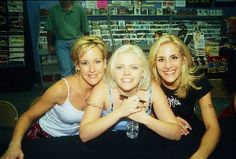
(102, 4)
(198, 40)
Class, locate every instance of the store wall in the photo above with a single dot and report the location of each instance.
(33, 7)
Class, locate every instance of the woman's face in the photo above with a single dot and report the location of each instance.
(92, 66)
(128, 72)
(169, 63)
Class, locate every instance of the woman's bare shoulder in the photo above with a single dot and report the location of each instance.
(57, 90)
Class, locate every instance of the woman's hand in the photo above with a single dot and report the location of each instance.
(185, 127)
(139, 116)
(13, 152)
(130, 106)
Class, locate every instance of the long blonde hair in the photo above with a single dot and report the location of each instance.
(188, 72)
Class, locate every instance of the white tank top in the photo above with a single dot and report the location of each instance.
(62, 120)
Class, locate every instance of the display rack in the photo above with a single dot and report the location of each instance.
(12, 37)
(15, 65)
(139, 23)
(49, 67)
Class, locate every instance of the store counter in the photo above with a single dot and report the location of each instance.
(115, 144)
(112, 144)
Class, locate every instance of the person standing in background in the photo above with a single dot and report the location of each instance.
(66, 22)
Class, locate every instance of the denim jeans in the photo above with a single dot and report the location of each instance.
(62, 48)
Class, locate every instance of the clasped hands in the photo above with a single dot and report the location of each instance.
(135, 110)
(185, 126)
(133, 107)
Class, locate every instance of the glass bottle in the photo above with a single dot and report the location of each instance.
(132, 129)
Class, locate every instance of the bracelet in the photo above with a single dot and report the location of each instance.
(94, 105)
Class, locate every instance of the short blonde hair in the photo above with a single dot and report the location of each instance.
(83, 44)
(146, 80)
(187, 72)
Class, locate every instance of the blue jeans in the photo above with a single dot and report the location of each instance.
(62, 48)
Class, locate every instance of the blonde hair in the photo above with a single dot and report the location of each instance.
(136, 50)
(83, 44)
(187, 72)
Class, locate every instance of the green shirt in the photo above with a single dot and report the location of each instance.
(67, 25)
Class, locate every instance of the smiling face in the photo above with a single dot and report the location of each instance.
(92, 66)
(128, 72)
(169, 61)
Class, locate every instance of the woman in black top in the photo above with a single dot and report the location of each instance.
(171, 64)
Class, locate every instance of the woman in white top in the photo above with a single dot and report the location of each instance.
(59, 110)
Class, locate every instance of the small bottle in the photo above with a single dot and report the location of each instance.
(132, 129)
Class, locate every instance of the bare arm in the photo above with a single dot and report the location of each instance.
(212, 135)
(52, 96)
(92, 119)
(51, 40)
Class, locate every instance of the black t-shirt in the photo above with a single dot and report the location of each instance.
(184, 107)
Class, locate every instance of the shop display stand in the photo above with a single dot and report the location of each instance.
(49, 68)
(15, 67)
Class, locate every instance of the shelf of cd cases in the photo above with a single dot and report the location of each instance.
(139, 23)
(16, 63)
(141, 30)
(49, 68)
(12, 37)
(142, 25)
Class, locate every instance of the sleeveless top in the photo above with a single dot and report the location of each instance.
(62, 120)
(121, 124)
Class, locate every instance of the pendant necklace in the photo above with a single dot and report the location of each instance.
(82, 96)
